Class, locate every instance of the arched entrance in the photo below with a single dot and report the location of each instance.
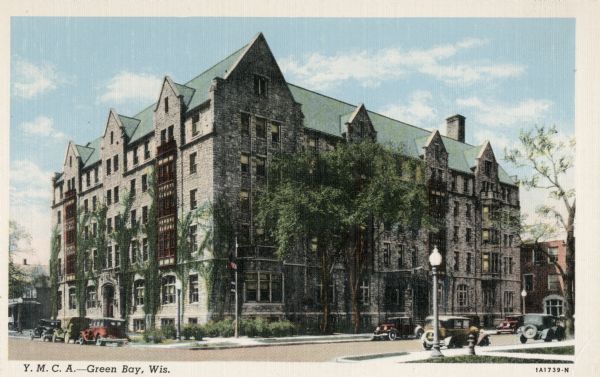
(108, 299)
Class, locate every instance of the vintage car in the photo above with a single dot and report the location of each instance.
(45, 329)
(510, 324)
(540, 326)
(397, 327)
(72, 331)
(104, 330)
(453, 332)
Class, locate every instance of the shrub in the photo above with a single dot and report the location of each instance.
(197, 332)
(169, 331)
(152, 336)
(210, 329)
(186, 332)
(282, 328)
(225, 328)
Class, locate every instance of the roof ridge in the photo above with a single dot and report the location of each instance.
(214, 65)
(127, 116)
(325, 95)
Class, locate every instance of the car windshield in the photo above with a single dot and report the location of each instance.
(537, 320)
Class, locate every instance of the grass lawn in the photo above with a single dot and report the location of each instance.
(566, 350)
(490, 359)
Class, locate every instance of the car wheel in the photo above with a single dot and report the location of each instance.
(485, 342)
(523, 339)
(426, 346)
(99, 341)
(81, 341)
(530, 331)
(392, 335)
(419, 333)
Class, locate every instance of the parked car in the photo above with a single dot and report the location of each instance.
(72, 331)
(397, 327)
(510, 324)
(453, 332)
(45, 329)
(104, 330)
(541, 326)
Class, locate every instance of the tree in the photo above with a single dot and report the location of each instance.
(548, 161)
(338, 198)
(18, 279)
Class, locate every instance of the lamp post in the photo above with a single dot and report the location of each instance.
(435, 259)
(523, 294)
(178, 292)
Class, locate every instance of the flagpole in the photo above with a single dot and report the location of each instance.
(236, 290)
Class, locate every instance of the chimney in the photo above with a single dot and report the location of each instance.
(455, 127)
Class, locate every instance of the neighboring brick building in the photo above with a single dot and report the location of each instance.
(541, 277)
(211, 140)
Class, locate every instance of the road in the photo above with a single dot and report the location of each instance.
(25, 349)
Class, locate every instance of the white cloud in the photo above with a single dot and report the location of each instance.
(492, 113)
(499, 141)
(28, 182)
(417, 111)
(42, 126)
(32, 80)
(127, 86)
(371, 68)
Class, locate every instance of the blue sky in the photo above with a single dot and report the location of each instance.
(66, 73)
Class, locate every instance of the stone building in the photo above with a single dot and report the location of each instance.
(541, 263)
(210, 140)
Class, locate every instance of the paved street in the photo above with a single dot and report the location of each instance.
(25, 349)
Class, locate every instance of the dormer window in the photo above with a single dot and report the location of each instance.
(166, 104)
(260, 85)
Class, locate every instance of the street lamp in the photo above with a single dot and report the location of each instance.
(178, 289)
(523, 294)
(435, 259)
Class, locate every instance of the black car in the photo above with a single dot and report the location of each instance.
(541, 326)
(45, 329)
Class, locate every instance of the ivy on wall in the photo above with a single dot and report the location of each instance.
(54, 272)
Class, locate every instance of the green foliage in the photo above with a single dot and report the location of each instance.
(17, 279)
(84, 243)
(169, 332)
(151, 273)
(282, 328)
(153, 336)
(54, 250)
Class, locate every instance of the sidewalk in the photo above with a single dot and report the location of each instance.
(481, 351)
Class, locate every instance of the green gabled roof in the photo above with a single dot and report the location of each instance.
(84, 152)
(146, 125)
(129, 124)
(201, 83)
(504, 177)
(94, 157)
(186, 92)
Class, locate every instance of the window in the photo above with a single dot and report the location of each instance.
(244, 201)
(554, 306)
(133, 217)
(485, 213)
(489, 297)
(510, 241)
(94, 201)
(192, 236)
(245, 124)
(117, 255)
(96, 175)
(85, 206)
(70, 161)
(468, 236)
(552, 254)
(139, 291)
(386, 254)
(109, 225)
(166, 322)
(170, 132)
(88, 178)
(94, 229)
(485, 235)
(495, 263)
(469, 262)
(90, 301)
(400, 256)
(58, 217)
(263, 287)
(456, 209)
(112, 137)
(132, 187)
(135, 250)
(485, 262)
(261, 127)
(116, 195)
(108, 167)
(510, 265)
(144, 183)
(193, 288)
(553, 282)
(145, 249)
(163, 136)
(466, 184)
(528, 282)
(144, 215)
(108, 260)
(193, 202)
(468, 211)
(116, 163)
(244, 163)
(136, 159)
(195, 119)
(488, 168)
(193, 321)
(260, 166)
(168, 289)
(275, 132)
(139, 325)
(59, 300)
(260, 85)
(456, 261)
(72, 299)
(166, 101)
(456, 231)
(364, 293)
(461, 296)
(146, 150)
(505, 239)
(193, 163)
(509, 297)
